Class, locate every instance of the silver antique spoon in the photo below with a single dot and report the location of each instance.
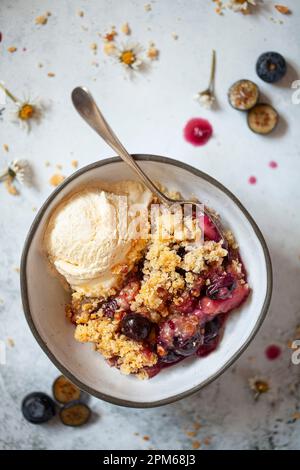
(86, 106)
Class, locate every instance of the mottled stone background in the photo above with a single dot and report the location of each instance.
(149, 113)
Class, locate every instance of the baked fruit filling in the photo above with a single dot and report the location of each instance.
(172, 304)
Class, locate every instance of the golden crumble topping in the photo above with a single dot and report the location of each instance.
(165, 281)
(210, 252)
(130, 356)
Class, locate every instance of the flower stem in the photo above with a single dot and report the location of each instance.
(4, 174)
(212, 71)
(9, 94)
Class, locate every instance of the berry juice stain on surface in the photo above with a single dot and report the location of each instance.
(252, 180)
(272, 352)
(197, 131)
(273, 164)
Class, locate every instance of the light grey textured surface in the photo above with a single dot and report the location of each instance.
(149, 113)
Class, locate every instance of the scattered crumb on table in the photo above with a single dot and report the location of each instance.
(125, 29)
(196, 444)
(42, 19)
(56, 179)
(191, 433)
(10, 342)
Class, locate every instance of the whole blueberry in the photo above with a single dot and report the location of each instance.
(221, 287)
(136, 326)
(37, 408)
(271, 67)
(188, 346)
(170, 357)
(211, 330)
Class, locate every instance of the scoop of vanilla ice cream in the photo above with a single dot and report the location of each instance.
(89, 235)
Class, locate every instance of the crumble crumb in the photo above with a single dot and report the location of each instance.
(196, 444)
(10, 342)
(208, 253)
(109, 48)
(56, 179)
(152, 52)
(51, 74)
(42, 19)
(146, 438)
(12, 49)
(231, 240)
(80, 13)
(74, 163)
(191, 433)
(5, 147)
(59, 166)
(147, 7)
(175, 36)
(109, 37)
(284, 10)
(125, 29)
(94, 47)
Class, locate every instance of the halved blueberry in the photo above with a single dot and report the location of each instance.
(37, 408)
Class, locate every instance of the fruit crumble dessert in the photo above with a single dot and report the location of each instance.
(145, 302)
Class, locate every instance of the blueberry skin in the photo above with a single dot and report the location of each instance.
(212, 329)
(136, 326)
(37, 408)
(271, 67)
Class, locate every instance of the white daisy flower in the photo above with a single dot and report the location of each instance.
(129, 55)
(241, 5)
(207, 98)
(21, 171)
(25, 111)
(18, 170)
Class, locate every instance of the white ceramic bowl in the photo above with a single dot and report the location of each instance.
(44, 297)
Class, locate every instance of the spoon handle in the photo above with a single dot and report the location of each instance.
(86, 106)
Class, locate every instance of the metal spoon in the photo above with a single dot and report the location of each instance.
(86, 106)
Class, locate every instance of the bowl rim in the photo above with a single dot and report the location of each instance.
(24, 291)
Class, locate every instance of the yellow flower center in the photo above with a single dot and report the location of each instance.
(26, 111)
(127, 57)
